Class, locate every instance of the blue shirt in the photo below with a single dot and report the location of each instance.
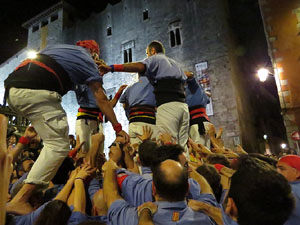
(78, 217)
(294, 218)
(30, 218)
(195, 95)
(139, 93)
(21, 179)
(136, 190)
(146, 172)
(76, 61)
(85, 96)
(93, 187)
(159, 66)
(120, 212)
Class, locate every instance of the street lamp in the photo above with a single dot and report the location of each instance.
(263, 74)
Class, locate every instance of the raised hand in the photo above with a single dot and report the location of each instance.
(30, 133)
(103, 68)
(147, 133)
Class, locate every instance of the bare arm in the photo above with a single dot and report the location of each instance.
(65, 192)
(79, 196)
(204, 185)
(5, 167)
(110, 187)
(135, 67)
(114, 101)
(102, 102)
(29, 134)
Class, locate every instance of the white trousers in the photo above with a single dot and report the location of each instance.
(173, 117)
(85, 128)
(49, 119)
(198, 138)
(136, 128)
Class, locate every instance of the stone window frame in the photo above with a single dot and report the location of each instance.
(127, 51)
(175, 38)
(108, 31)
(146, 15)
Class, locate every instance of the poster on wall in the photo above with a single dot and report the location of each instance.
(203, 79)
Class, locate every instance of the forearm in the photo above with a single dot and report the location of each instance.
(128, 160)
(136, 67)
(65, 192)
(79, 198)
(204, 185)
(17, 150)
(110, 187)
(3, 130)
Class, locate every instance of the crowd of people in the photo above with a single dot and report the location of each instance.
(171, 167)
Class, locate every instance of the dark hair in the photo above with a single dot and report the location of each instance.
(55, 212)
(262, 196)
(10, 219)
(62, 174)
(213, 178)
(146, 152)
(272, 162)
(218, 159)
(91, 222)
(165, 152)
(158, 46)
(171, 190)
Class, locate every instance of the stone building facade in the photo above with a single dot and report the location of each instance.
(193, 32)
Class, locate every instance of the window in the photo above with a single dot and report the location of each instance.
(44, 23)
(35, 28)
(108, 31)
(175, 36)
(145, 14)
(54, 17)
(127, 49)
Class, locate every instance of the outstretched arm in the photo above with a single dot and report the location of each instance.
(114, 101)
(135, 67)
(105, 107)
(110, 187)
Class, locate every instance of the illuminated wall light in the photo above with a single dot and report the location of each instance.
(31, 54)
(262, 74)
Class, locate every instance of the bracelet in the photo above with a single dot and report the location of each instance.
(79, 178)
(23, 140)
(118, 67)
(112, 68)
(117, 127)
(141, 210)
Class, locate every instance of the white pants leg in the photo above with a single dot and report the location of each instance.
(85, 128)
(46, 114)
(136, 128)
(201, 139)
(173, 117)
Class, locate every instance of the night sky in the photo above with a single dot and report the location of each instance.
(13, 13)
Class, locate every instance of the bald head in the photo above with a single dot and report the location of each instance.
(171, 181)
(99, 205)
